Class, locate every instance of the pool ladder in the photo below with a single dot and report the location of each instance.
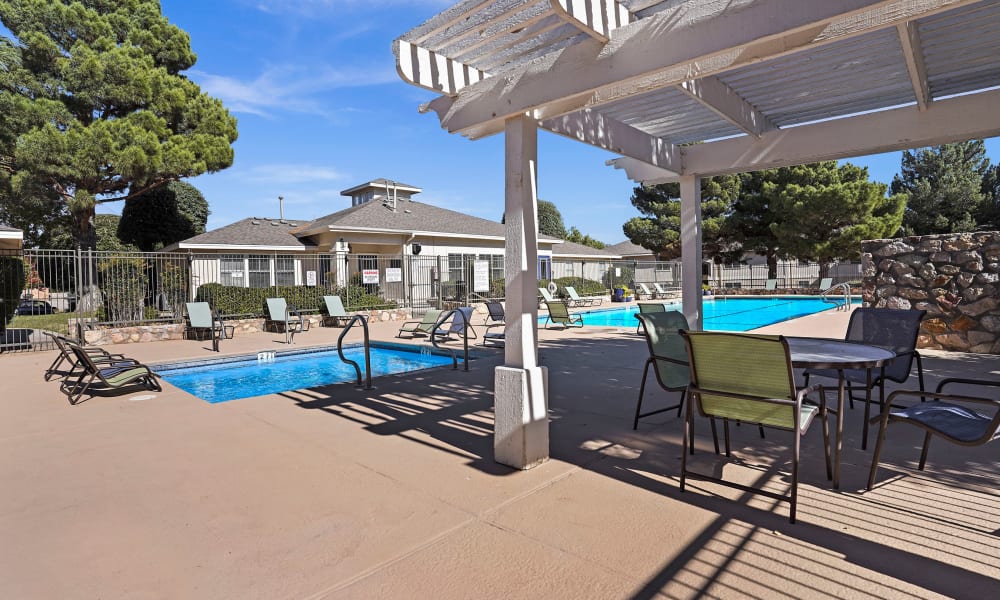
(454, 314)
(368, 351)
(846, 288)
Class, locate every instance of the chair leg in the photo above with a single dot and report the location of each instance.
(920, 372)
(715, 436)
(826, 438)
(725, 428)
(688, 442)
(923, 452)
(878, 450)
(868, 404)
(795, 476)
(642, 390)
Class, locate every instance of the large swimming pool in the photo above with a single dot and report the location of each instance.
(223, 379)
(721, 314)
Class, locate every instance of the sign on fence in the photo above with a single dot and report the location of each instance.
(393, 275)
(310, 278)
(369, 276)
(481, 276)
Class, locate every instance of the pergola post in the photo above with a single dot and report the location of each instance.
(521, 431)
(691, 250)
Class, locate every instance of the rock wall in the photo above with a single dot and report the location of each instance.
(954, 277)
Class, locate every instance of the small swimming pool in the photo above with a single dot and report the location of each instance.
(234, 378)
(722, 314)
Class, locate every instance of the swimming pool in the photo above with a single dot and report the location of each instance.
(234, 378)
(722, 314)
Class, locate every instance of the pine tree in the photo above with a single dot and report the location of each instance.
(944, 187)
(163, 216)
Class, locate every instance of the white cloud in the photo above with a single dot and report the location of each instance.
(292, 173)
(291, 88)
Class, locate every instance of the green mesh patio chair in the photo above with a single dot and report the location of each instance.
(646, 308)
(578, 300)
(422, 327)
(287, 316)
(335, 313)
(749, 378)
(73, 365)
(668, 356)
(890, 328)
(771, 285)
(112, 377)
(545, 295)
(825, 283)
(559, 315)
(202, 319)
(943, 416)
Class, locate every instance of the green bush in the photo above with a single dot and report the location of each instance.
(123, 281)
(236, 300)
(583, 287)
(13, 276)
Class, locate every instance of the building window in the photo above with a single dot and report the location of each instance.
(259, 268)
(496, 267)
(231, 268)
(545, 267)
(284, 271)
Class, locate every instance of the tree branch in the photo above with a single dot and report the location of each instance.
(143, 190)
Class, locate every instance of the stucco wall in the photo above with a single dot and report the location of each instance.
(954, 277)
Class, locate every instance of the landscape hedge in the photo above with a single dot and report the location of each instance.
(237, 300)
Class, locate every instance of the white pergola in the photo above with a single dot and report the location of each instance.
(760, 83)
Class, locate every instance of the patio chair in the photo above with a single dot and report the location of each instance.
(113, 377)
(646, 308)
(641, 290)
(890, 328)
(668, 354)
(665, 292)
(771, 285)
(67, 356)
(559, 314)
(578, 300)
(825, 283)
(944, 416)
(279, 312)
(335, 312)
(546, 296)
(749, 378)
(201, 318)
(422, 327)
(496, 314)
(459, 323)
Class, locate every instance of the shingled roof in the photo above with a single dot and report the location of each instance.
(409, 217)
(254, 232)
(574, 249)
(627, 248)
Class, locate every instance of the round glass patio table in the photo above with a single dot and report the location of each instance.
(823, 353)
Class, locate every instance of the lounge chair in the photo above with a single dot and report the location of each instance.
(496, 315)
(641, 289)
(749, 378)
(825, 283)
(113, 377)
(461, 320)
(559, 314)
(646, 308)
(279, 312)
(663, 291)
(668, 354)
(893, 329)
(335, 312)
(771, 285)
(578, 300)
(546, 296)
(422, 327)
(201, 318)
(944, 416)
(99, 355)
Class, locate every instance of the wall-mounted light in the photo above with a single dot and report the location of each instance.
(415, 248)
(342, 246)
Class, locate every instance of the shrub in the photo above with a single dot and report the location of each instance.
(13, 276)
(236, 300)
(123, 281)
(584, 287)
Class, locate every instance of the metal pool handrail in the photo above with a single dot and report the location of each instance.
(846, 287)
(368, 355)
(465, 337)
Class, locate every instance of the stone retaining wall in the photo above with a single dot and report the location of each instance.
(954, 277)
(101, 336)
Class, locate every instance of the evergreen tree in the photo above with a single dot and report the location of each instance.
(660, 229)
(827, 220)
(106, 230)
(39, 213)
(160, 217)
(575, 236)
(989, 210)
(550, 221)
(93, 104)
(944, 187)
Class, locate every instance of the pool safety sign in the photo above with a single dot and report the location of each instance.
(393, 275)
(481, 276)
(369, 276)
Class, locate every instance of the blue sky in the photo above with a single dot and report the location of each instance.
(321, 108)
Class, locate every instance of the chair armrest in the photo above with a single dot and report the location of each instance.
(943, 396)
(983, 382)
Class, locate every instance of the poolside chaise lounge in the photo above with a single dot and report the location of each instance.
(825, 283)
(559, 315)
(422, 327)
(280, 313)
(113, 377)
(496, 315)
(663, 291)
(461, 319)
(578, 300)
(771, 285)
(201, 318)
(335, 312)
(641, 290)
(99, 355)
(545, 295)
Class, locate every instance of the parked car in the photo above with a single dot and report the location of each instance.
(34, 307)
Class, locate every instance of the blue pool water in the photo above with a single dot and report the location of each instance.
(243, 377)
(722, 314)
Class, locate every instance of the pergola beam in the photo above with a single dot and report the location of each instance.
(431, 71)
(944, 121)
(712, 93)
(909, 39)
(593, 128)
(671, 47)
(596, 18)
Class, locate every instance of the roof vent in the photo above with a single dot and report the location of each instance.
(275, 223)
(255, 222)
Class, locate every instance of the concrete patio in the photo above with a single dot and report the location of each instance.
(338, 492)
